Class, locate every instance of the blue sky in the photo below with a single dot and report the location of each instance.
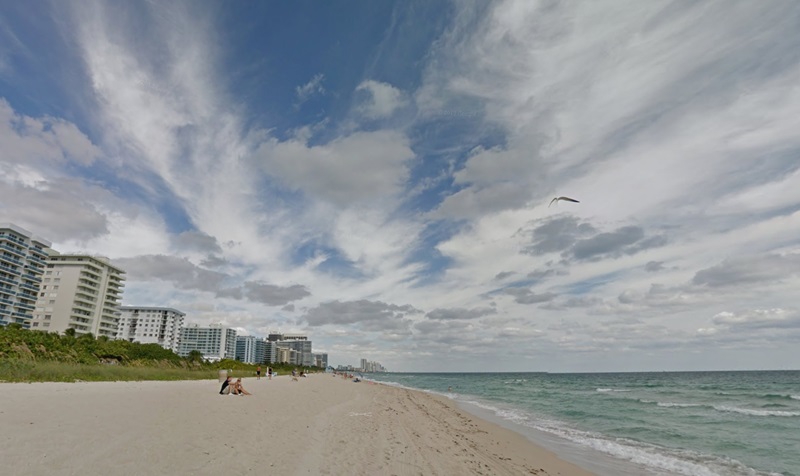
(377, 174)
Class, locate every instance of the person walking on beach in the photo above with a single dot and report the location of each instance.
(269, 372)
(258, 373)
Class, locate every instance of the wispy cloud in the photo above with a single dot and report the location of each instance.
(408, 215)
(309, 89)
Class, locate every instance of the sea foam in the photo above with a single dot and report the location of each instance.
(749, 411)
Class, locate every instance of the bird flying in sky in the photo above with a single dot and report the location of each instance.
(562, 198)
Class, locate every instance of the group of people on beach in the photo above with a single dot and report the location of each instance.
(231, 387)
(258, 373)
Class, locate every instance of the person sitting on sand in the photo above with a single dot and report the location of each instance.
(226, 386)
(239, 389)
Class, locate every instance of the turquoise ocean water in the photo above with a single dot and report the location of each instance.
(666, 423)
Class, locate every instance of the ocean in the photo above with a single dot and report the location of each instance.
(655, 423)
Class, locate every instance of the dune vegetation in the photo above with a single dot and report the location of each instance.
(36, 356)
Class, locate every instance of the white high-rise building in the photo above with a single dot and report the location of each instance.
(215, 342)
(246, 349)
(304, 355)
(80, 292)
(22, 260)
(321, 360)
(151, 325)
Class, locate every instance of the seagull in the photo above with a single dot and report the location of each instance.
(562, 198)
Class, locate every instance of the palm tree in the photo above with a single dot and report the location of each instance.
(195, 356)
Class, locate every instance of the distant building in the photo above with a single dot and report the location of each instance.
(247, 349)
(261, 351)
(369, 366)
(304, 355)
(80, 292)
(286, 355)
(23, 258)
(270, 352)
(321, 360)
(151, 325)
(214, 342)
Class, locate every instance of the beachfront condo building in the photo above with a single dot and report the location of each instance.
(79, 292)
(321, 360)
(285, 355)
(151, 325)
(246, 349)
(369, 366)
(215, 342)
(270, 352)
(251, 349)
(302, 347)
(22, 261)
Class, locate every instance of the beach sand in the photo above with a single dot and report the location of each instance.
(317, 425)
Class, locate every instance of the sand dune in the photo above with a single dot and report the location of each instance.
(317, 425)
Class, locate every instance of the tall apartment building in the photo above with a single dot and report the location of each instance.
(270, 352)
(246, 349)
(302, 347)
(251, 349)
(261, 351)
(22, 261)
(151, 325)
(80, 292)
(286, 355)
(214, 342)
(321, 360)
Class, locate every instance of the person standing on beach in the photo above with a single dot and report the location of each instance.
(269, 372)
(258, 373)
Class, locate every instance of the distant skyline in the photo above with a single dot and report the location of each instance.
(377, 175)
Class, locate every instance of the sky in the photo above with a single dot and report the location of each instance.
(378, 175)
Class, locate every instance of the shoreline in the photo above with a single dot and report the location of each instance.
(317, 425)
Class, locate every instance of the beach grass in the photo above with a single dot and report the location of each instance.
(50, 371)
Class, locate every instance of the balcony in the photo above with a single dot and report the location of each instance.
(9, 269)
(13, 239)
(35, 269)
(89, 279)
(16, 251)
(7, 258)
(84, 298)
(36, 259)
(4, 279)
(30, 286)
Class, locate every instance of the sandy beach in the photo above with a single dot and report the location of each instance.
(317, 425)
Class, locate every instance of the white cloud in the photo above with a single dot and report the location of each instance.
(314, 86)
(355, 168)
(382, 101)
(674, 129)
